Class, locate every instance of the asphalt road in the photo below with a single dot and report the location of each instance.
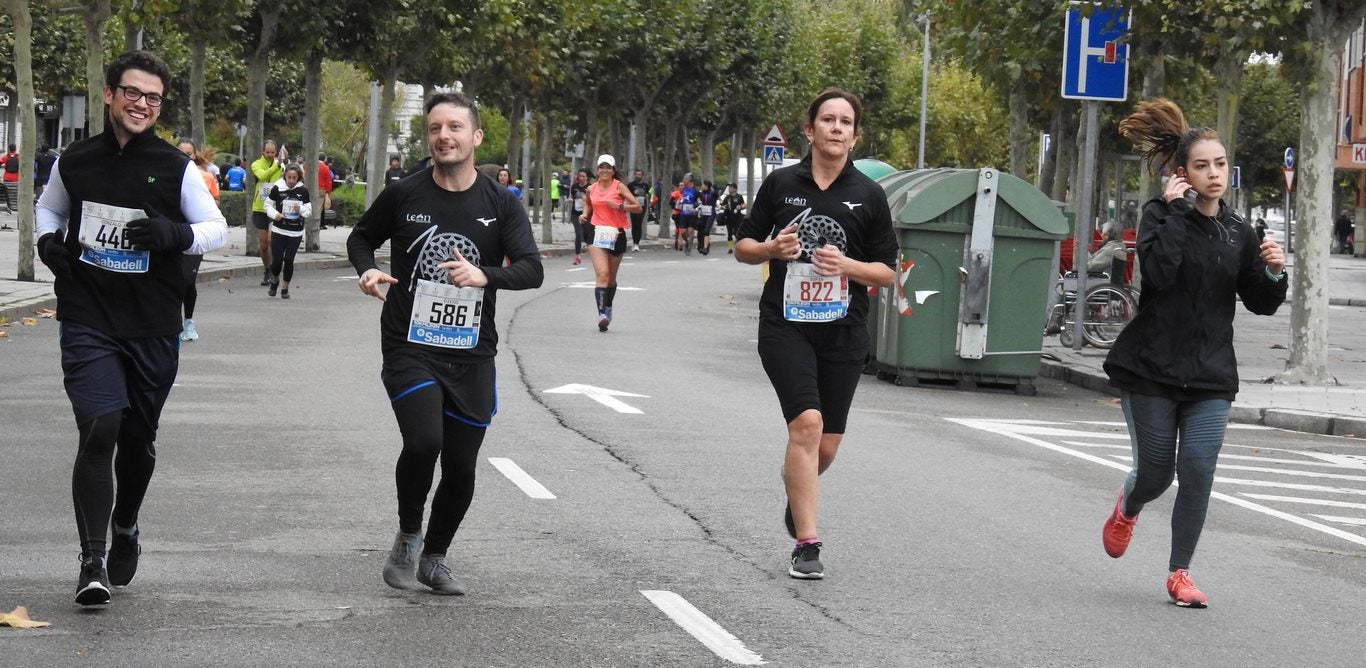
(959, 528)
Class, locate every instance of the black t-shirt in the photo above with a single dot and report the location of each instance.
(578, 194)
(392, 175)
(640, 189)
(852, 214)
(278, 196)
(424, 224)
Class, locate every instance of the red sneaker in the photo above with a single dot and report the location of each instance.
(1117, 531)
(1183, 591)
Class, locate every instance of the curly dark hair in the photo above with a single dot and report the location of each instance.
(138, 60)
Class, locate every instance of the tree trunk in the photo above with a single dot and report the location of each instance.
(514, 142)
(1228, 77)
(94, 19)
(388, 81)
(1019, 128)
(547, 143)
(257, 70)
(666, 166)
(313, 138)
(22, 18)
(1308, 362)
(1050, 161)
(1065, 143)
(197, 49)
(708, 155)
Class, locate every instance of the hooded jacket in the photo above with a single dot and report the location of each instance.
(1180, 345)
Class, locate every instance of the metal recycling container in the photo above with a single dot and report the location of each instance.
(974, 276)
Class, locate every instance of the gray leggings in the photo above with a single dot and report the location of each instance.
(1156, 424)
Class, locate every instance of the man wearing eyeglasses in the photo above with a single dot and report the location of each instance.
(120, 211)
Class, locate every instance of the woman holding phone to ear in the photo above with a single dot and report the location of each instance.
(825, 230)
(1174, 364)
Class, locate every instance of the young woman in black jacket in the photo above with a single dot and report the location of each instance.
(1174, 363)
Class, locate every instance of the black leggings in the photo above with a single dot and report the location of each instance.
(190, 268)
(93, 479)
(1174, 439)
(282, 251)
(637, 227)
(430, 432)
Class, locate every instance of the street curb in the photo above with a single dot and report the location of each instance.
(1301, 421)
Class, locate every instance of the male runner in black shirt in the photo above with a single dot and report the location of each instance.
(449, 229)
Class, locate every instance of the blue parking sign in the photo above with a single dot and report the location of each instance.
(1095, 55)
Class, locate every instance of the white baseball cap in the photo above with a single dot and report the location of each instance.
(606, 159)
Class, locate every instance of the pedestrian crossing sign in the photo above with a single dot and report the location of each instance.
(773, 155)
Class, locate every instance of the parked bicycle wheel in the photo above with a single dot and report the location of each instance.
(1108, 309)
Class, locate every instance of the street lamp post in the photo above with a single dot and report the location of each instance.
(924, 90)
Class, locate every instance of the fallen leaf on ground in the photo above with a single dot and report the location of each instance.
(28, 322)
(45, 313)
(223, 279)
(4, 335)
(18, 618)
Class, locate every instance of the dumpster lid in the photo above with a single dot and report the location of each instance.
(922, 196)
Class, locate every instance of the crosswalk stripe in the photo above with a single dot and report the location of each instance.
(1352, 521)
(1301, 499)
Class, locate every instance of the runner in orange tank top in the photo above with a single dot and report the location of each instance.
(608, 202)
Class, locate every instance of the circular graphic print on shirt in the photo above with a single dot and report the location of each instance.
(816, 231)
(440, 248)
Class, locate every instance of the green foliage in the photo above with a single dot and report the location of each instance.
(496, 129)
(1270, 122)
(349, 202)
(234, 205)
(58, 68)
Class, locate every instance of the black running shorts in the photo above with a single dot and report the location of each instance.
(814, 366)
(259, 220)
(470, 390)
(104, 374)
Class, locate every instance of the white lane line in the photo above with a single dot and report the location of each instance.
(520, 478)
(708, 632)
(1002, 428)
(1351, 521)
(1299, 499)
(1084, 444)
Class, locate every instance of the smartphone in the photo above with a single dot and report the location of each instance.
(1191, 194)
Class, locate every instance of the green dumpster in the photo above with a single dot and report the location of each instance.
(974, 276)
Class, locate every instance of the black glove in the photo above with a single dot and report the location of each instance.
(159, 233)
(54, 254)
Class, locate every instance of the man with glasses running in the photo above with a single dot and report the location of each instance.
(120, 212)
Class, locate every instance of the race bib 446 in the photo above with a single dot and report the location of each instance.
(104, 238)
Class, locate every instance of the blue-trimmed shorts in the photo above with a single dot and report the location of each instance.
(104, 374)
(469, 389)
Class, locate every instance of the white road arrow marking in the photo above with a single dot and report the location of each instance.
(601, 395)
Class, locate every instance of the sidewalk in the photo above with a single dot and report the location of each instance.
(1262, 342)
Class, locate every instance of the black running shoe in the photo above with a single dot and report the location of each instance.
(806, 563)
(92, 589)
(274, 286)
(123, 557)
(265, 277)
(787, 521)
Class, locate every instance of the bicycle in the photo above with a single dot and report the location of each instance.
(1108, 307)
